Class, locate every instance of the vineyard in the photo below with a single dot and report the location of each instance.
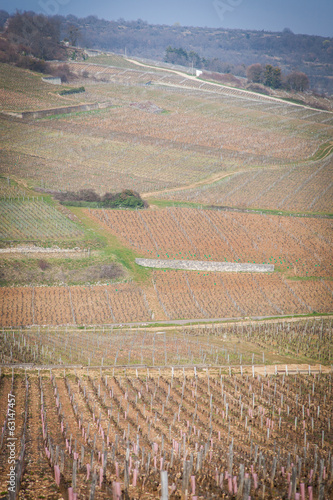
(300, 247)
(305, 188)
(10, 190)
(119, 381)
(202, 132)
(232, 344)
(235, 295)
(122, 164)
(171, 295)
(23, 90)
(126, 434)
(196, 135)
(30, 218)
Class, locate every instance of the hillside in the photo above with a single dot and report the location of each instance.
(217, 50)
(227, 50)
(204, 371)
(176, 140)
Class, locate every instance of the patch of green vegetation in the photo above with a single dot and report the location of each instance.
(126, 199)
(163, 203)
(74, 90)
(114, 60)
(170, 203)
(323, 151)
(113, 248)
(50, 269)
(86, 204)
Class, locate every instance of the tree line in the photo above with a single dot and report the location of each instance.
(268, 75)
(272, 76)
(28, 39)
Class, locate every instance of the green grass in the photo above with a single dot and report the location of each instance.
(323, 151)
(170, 203)
(113, 248)
(76, 113)
(111, 60)
(163, 203)
(55, 269)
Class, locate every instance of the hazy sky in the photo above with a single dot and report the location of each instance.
(313, 17)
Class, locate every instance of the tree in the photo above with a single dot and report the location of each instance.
(176, 56)
(3, 18)
(297, 81)
(73, 34)
(272, 76)
(254, 73)
(39, 34)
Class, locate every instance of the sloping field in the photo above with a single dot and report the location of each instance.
(75, 159)
(297, 188)
(24, 90)
(180, 295)
(33, 219)
(115, 407)
(299, 247)
(157, 138)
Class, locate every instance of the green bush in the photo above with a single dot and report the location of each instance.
(77, 90)
(88, 198)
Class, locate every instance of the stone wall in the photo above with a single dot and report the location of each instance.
(196, 265)
(42, 113)
(54, 80)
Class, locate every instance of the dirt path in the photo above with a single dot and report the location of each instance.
(208, 180)
(203, 323)
(227, 88)
(219, 176)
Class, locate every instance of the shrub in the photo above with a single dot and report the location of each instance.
(76, 90)
(88, 197)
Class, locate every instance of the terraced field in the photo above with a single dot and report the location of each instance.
(171, 295)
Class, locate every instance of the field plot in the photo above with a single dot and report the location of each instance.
(122, 164)
(117, 303)
(232, 344)
(34, 219)
(213, 433)
(173, 295)
(298, 247)
(24, 90)
(10, 190)
(123, 347)
(192, 374)
(214, 295)
(195, 131)
(299, 188)
(194, 136)
(134, 75)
